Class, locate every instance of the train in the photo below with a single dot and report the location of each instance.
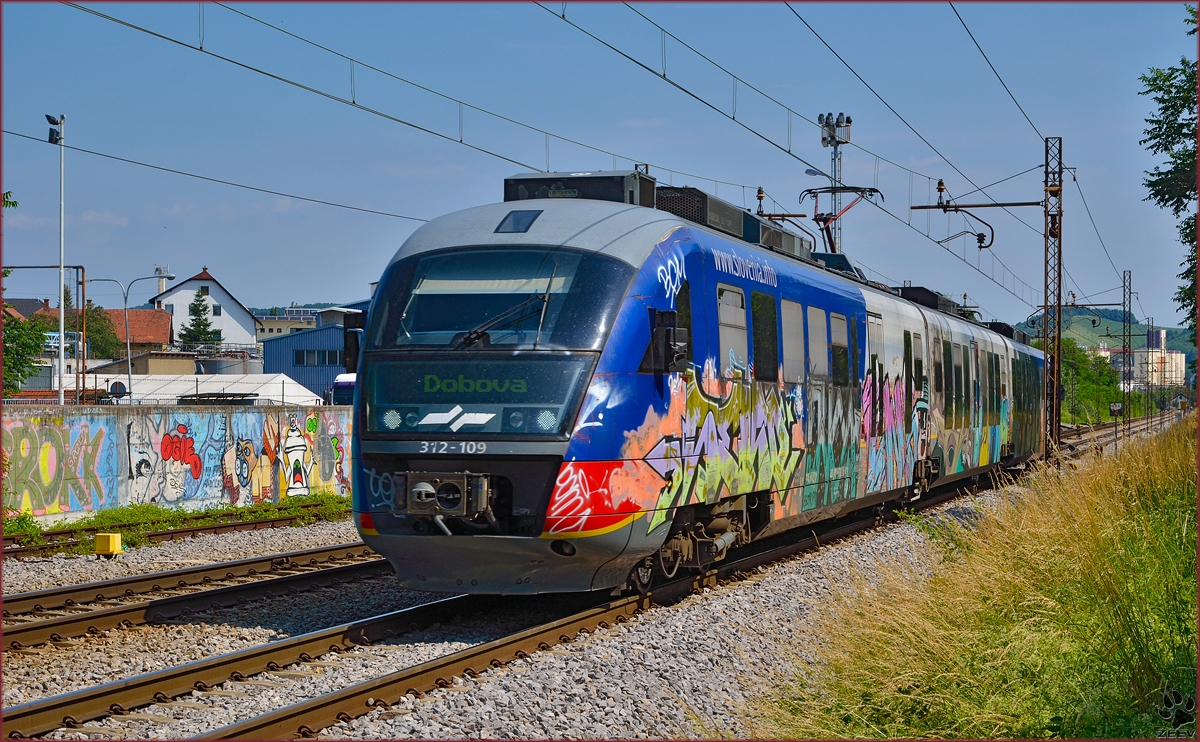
(600, 381)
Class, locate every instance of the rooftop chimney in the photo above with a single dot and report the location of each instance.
(162, 277)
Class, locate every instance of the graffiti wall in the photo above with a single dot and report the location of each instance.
(68, 463)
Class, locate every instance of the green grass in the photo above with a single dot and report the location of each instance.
(133, 522)
(1067, 611)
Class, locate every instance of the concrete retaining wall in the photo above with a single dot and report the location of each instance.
(67, 462)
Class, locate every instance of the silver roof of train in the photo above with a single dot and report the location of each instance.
(620, 230)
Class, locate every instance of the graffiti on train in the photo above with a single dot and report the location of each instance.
(190, 459)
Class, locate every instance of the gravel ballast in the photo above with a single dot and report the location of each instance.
(124, 653)
(688, 670)
(41, 573)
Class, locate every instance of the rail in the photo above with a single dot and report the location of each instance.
(72, 595)
(15, 545)
(306, 718)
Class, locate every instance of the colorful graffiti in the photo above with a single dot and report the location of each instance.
(746, 438)
(59, 465)
(180, 457)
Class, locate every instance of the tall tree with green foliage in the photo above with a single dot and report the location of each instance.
(1172, 131)
(23, 339)
(199, 328)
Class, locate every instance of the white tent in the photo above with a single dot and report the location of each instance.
(257, 389)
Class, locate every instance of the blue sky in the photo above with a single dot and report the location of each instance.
(1073, 67)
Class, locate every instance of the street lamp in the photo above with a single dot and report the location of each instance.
(128, 345)
(56, 137)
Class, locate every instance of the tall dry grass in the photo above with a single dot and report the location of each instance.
(1067, 610)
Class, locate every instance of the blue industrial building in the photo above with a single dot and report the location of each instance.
(312, 357)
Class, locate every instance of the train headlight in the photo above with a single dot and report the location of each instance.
(546, 420)
(516, 420)
(411, 419)
(392, 419)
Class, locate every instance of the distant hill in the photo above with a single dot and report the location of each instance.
(262, 312)
(1079, 327)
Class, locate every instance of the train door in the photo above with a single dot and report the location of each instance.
(842, 403)
(873, 402)
(795, 385)
(818, 454)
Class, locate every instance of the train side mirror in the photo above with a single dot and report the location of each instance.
(668, 343)
(352, 344)
(352, 335)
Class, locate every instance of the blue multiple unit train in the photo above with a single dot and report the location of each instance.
(559, 394)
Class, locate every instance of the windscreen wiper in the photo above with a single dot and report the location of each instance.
(476, 334)
(545, 305)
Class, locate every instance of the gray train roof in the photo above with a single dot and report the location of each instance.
(620, 230)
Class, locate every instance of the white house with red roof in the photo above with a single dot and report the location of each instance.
(228, 315)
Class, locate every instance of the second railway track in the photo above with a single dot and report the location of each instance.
(75, 610)
(307, 717)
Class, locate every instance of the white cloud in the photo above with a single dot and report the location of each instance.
(281, 205)
(107, 217)
(24, 221)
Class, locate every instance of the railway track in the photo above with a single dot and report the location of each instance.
(307, 717)
(16, 546)
(59, 614)
(293, 655)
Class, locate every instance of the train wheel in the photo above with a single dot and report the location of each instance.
(642, 575)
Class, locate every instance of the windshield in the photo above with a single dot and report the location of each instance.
(511, 297)
(475, 393)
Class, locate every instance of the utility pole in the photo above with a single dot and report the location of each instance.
(1150, 369)
(834, 133)
(56, 137)
(1126, 353)
(1052, 305)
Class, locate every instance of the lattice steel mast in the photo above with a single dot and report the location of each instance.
(1052, 304)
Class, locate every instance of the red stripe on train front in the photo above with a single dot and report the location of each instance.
(591, 498)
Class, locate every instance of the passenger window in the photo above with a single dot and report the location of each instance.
(818, 343)
(855, 359)
(875, 370)
(958, 386)
(793, 342)
(919, 364)
(766, 336)
(948, 371)
(839, 344)
(908, 380)
(731, 313)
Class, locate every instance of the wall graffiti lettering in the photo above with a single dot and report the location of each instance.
(191, 458)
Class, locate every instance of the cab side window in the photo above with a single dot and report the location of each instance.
(731, 319)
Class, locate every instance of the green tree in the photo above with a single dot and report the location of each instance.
(101, 332)
(199, 328)
(1172, 131)
(23, 340)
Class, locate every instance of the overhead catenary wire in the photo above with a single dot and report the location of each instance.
(1039, 134)
(219, 180)
(355, 62)
(1019, 296)
(997, 74)
(1094, 227)
(742, 81)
